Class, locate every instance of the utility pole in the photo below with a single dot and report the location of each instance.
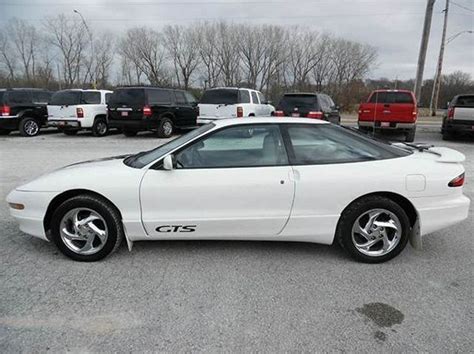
(439, 68)
(94, 85)
(423, 47)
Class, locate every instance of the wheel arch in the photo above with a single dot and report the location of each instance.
(401, 200)
(100, 116)
(62, 197)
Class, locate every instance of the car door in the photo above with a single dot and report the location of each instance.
(256, 108)
(332, 112)
(226, 185)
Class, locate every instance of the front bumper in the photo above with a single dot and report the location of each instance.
(386, 125)
(30, 219)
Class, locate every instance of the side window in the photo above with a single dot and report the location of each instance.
(330, 102)
(180, 99)
(107, 98)
(89, 97)
(236, 146)
(262, 98)
(323, 102)
(190, 98)
(19, 97)
(159, 96)
(244, 96)
(324, 144)
(42, 97)
(254, 98)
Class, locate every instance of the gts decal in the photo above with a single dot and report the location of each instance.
(176, 228)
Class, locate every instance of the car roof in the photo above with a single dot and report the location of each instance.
(390, 90)
(260, 120)
(231, 88)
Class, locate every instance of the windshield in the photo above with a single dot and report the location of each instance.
(66, 98)
(128, 97)
(227, 96)
(300, 101)
(145, 157)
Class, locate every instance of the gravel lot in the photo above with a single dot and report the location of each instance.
(225, 296)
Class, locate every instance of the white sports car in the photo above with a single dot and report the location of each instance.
(273, 179)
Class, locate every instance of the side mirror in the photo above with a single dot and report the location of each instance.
(168, 163)
(337, 107)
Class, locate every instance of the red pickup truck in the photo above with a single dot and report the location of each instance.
(389, 110)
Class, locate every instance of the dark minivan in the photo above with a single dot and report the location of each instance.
(308, 105)
(23, 109)
(134, 109)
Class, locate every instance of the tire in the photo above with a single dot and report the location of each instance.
(4, 131)
(360, 212)
(165, 128)
(447, 135)
(83, 244)
(410, 135)
(129, 133)
(70, 132)
(29, 127)
(100, 127)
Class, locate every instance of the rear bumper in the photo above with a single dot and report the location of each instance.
(459, 126)
(389, 126)
(134, 124)
(64, 124)
(437, 213)
(9, 122)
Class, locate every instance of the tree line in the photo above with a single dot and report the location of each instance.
(63, 52)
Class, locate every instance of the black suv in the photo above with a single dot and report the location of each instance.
(309, 105)
(24, 110)
(134, 109)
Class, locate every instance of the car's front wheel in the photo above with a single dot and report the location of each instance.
(373, 229)
(86, 228)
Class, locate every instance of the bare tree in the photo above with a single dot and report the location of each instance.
(7, 55)
(25, 40)
(208, 35)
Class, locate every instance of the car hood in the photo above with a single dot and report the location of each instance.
(80, 175)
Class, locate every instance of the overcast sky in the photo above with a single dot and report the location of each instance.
(393, 27)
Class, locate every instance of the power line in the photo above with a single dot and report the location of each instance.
(462, 6)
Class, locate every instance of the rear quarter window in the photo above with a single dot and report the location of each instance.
(254, 98)
(159, 97)
(91, 97)
(42, 97)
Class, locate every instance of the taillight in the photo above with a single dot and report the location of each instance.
(79, 112)
(451, 113)
(458, 181)
(240, 112)
(316, 115)
(5, 110)
(279, 114)
(147, 111)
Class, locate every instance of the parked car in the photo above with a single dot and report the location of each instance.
(294, 179)
(309, 105)
(459, 118)
(390, 110)
(135, 109)
(74, 110)
(23, 109)
(232, 102)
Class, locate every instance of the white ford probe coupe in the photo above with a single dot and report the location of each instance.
(285, 179)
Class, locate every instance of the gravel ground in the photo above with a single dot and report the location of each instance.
(225, 296)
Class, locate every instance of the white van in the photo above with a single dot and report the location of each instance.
(232, 102)
(74, 110)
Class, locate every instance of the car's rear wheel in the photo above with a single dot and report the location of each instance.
(100, 127)
(86, 228)
(129, 133)
(447, 135)
(373, 229)
(410, 135)
(29, 127)
(165, 128)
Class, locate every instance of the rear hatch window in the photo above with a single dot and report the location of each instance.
(217, 96)
(392, 97)
(18, 97)
(465, 101)
(127, 97)
(66, 98)
(303, 102)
